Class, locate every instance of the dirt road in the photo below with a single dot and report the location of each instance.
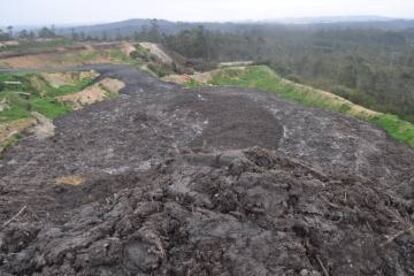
(211, 181)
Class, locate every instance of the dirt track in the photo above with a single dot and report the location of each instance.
(214, 181)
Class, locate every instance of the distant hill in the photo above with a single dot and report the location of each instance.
(390, 25)
(333, 19)
(128, 27)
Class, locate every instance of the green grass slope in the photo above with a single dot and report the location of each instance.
(21, 94)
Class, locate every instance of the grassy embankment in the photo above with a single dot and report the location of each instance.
(21, 94)
(263, 78)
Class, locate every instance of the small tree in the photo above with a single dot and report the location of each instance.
(154, 34)
(23, 34)
(82, 36)
(118, 35)
(32, 35)
(3, 36)
(75, 35)
(10, 30)
(136, 36)
(46, 33)
(104, 36)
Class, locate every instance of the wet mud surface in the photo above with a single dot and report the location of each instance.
(210, 181)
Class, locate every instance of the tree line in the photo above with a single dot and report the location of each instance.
(44, 33)
(371, 67)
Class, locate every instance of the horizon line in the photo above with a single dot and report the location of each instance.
(282, 20)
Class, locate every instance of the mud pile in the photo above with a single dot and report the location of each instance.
(212, 181)
(252, 212)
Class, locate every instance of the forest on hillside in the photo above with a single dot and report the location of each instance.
(373, 68)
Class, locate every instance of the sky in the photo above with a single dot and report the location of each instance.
(47, 12)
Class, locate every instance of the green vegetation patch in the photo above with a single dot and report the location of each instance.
(192, 83)
(141, 53)
(118, 55)
(263, 78)
(50, 107)
(21, 94)
(82, 57)
(400, 130)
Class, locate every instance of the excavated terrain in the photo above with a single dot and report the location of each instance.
(212, 181)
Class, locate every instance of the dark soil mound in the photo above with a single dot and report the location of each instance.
(231, 122)
(213, 181)
(230, 213)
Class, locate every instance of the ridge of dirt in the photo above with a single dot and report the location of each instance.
(127, 48)
(236, 63)
(54, 60)
(59, 79)
(93, 94)
(199, 77)
(156, 50)
(7, 129)
(209, 181)
(62, 57)
(44, 127)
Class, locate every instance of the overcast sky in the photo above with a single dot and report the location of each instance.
(28, 12)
